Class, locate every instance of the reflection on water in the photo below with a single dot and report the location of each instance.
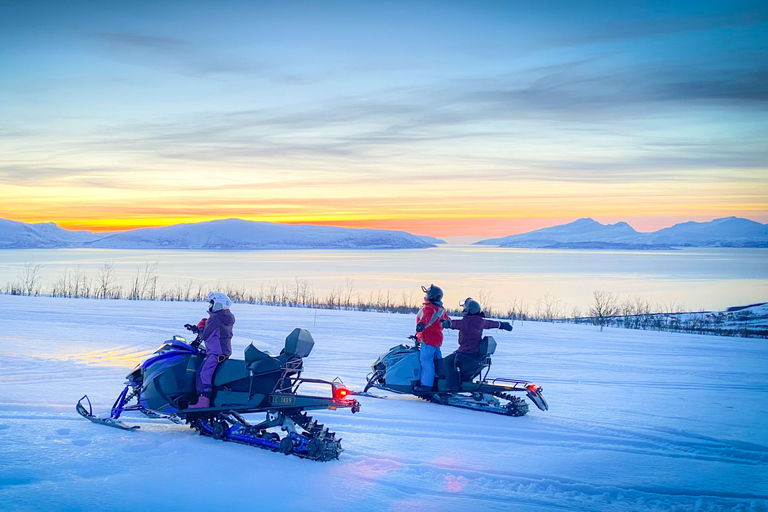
(698, 278)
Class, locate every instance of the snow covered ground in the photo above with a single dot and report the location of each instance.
(638, 421)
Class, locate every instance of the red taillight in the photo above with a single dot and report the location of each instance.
(341, 393)
(532, 387)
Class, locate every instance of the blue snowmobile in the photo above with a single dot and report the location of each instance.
(163, 386)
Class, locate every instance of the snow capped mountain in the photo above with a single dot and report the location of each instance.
(237, 234)
(590, 234)
(233, 234)
(725, 232)
(20, 235)
(577, 232)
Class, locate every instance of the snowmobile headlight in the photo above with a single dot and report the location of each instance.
(179, 338)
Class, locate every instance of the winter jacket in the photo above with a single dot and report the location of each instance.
(471, 331)
(431, 314)
(218, 333)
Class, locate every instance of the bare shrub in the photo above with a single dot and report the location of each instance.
(144, 283)
(30, 279)
(604, 306)
(549, 308)
(105, 282)
(518, 309)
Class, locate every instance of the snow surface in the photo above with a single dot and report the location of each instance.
(638, 421)
(588, 233)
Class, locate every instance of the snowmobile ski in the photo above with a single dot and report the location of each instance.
(110, 422)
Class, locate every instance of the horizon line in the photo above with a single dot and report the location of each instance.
(124, 227)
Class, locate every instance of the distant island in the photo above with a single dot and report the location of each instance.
(590, 234)
(227, 234)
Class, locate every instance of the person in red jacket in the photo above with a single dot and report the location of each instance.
(430, 321)
(467, 358)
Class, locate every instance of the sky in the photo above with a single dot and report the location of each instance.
(438, 118)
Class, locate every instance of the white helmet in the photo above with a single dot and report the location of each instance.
(218, 301)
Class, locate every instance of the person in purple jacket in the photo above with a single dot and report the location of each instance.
(217, 336)
(467, 358)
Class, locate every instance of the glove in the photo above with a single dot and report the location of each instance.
(420, 327)
(201, 324)
(446, 324)
(505, 326)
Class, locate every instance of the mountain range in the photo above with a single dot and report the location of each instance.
(228, 234)
(238, 234)
(589, 234)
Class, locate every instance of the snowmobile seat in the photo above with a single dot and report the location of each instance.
(252, 354)
(264, 366)
(230, 371)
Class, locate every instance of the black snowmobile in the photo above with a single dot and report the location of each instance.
(399, 371)
(164, 385)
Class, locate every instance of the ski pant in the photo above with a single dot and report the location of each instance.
(204, 382)
(461, 367)
(427, 356)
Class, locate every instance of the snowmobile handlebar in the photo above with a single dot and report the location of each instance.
(415, 339)
(195, 330)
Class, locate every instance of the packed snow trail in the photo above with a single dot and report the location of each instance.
(638, 420)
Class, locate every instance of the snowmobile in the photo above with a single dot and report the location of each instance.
(163, 386)
(399, 371)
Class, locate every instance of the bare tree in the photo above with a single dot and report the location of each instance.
(345, 297)
(518, 309)
(144, 283)
(576, 313)
(30, 279)
(604, 306)
(549, 307)
(105, 281)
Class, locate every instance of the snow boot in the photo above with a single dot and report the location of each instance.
(203, 402)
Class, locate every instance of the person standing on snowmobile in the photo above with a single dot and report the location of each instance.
(430, 321)
(468, 357)
(217, 335)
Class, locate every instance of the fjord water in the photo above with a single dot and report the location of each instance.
(695, 278)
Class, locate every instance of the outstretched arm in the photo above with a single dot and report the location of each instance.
(494, 324)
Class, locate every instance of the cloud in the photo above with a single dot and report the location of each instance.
(586, 120)
(33, 174)
(162, 53)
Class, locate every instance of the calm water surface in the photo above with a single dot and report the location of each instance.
(697, 278)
